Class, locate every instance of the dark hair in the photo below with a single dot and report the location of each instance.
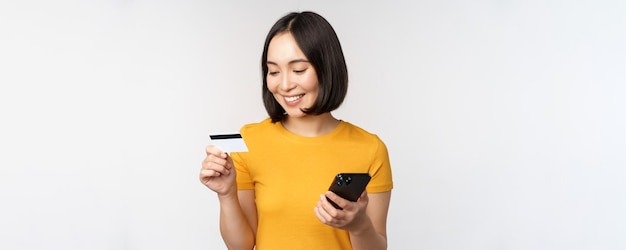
(319, 43)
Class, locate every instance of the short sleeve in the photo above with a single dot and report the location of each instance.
(380, 170)
(244, 180)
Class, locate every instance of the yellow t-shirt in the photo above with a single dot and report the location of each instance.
(289, 172)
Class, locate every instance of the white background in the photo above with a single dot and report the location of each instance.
(504, 119)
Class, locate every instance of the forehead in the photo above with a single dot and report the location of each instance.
(284, 48)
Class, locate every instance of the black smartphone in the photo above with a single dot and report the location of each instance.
(349, 186)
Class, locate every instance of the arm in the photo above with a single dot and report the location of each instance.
(373, 232)
(238, 219)
(366, 219)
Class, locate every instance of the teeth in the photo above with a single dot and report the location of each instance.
(293, 98)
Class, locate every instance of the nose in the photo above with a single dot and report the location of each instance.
(286, 83)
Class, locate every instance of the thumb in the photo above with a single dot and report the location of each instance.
(363, 197)
(229, 161)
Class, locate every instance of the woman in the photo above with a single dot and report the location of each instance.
(275, 195)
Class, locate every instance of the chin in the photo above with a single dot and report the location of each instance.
(296, 113)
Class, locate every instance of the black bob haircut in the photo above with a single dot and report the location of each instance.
(319, 43)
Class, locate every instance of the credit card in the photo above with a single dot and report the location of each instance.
(231, 142)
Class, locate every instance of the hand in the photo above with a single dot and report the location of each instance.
(218, 172)
(350, 218)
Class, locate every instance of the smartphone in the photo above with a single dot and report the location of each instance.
(349, 186)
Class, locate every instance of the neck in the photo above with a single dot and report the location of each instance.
(311, 125)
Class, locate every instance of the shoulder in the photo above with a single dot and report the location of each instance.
(251, 127)
(358, 132)
(361, 136)
(262, 129)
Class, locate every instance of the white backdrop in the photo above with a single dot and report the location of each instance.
(504, 119)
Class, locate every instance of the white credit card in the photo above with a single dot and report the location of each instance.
(230, 142)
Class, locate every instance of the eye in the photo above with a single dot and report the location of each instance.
(299, 71)
(273, 73)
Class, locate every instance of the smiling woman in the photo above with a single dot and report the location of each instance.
(268, 195)
(303, 46)
(504, 122)
(291, 79)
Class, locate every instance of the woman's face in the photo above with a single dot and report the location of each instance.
(291, 78)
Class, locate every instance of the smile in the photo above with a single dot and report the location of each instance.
(293, 98)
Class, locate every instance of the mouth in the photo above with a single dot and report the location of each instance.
(293, 98)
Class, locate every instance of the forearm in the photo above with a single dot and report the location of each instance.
(367, 238)
(234, 227)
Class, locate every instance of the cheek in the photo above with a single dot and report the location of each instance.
(311, 83)
(272, 85)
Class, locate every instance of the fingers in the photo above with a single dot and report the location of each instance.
(207, 174)
(363, 198)
(324, 211)
(217, 162)
(212, 150)
(218, 172)
(347, 218)
(341, 202)
(327, 213)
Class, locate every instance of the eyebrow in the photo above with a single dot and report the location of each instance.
(290, 62)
